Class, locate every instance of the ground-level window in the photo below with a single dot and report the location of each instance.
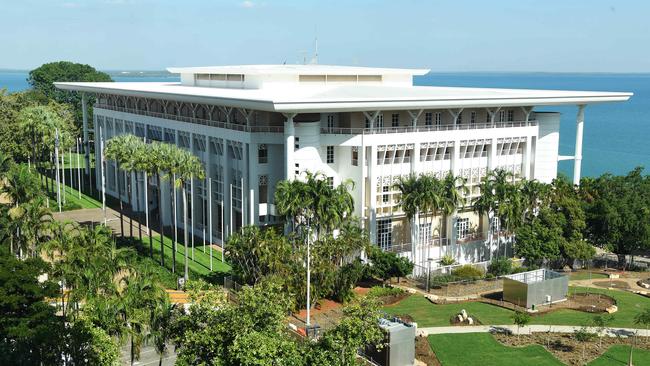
(462, 227)
(494, 224)
(385, 233)
(425, 233)
(330, 154)
(330, 182)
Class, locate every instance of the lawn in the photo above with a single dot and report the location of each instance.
(427, 314)
(199, 267)
(585, 275)
(618, 355)
(73, 202)
(482, 349)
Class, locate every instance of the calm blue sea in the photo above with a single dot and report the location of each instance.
(616, 135)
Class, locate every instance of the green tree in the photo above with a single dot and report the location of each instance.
(584, 336)
(521, 319)
(454, 191)
(90, 345)
(42, 79)
(386, 265)
(29, 328)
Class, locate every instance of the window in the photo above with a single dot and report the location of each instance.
(428, 118)
(459, 120)
(395, 120)
(330, 155)
(296, 143)
(330, 182)
(502, 116)
(438, 119)
(367, 123)
(494, 224)
(355, 155)
(472, 118)
(263, 188)
(425, 234)
(262, 154)
(385, 198)
(488, 117)
(462, 227)
(379, 121)
(384, 233)
(330, 121)
(511, 115)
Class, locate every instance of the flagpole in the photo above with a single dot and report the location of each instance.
(210, 218)
(102, 164)
(56, 160)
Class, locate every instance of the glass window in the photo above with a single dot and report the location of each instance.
(462, 227)
(438, 119)
(395, 119)
(330, 121)
(263, 188)
(511, 115)
(384, 233)
(330, 154)
(472, 118)
(459, 120)
(355, 156)
(428, 118)
(385, 198)
(262, 154)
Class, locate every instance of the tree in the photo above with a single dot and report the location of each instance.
(386, 265)
(90, 345)
(29, 328)
(583, 335)
(601, 323)
(454, 192)
(185, 167)
(500, 266)
(521, 319)
(42, 79)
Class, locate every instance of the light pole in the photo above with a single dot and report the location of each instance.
(308, 274)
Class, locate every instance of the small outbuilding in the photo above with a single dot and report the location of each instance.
(533, 288)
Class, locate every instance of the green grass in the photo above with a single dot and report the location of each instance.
(585, 275)
(427, 314)
(482, 349)
(73, 202)
(199, 267)
(618, 355)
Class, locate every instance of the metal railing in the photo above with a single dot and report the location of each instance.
(445, 127)
(199, 121)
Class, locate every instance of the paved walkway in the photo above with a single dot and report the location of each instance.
(611, 332)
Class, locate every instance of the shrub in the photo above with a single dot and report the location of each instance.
(468, 272)
(519, 270)
(347, 278)
(379, 291)
(447, 260)
(386, 265)
(500, 266)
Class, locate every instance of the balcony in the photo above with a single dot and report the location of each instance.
(406, 129)
(198, 121)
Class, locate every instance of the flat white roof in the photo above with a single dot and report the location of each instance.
(341, 98)
(295, 70)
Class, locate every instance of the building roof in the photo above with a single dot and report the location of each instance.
(295, 70)
(348, 97)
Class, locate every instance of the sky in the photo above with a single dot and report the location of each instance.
(458, 35)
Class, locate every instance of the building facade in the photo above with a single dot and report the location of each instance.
(253, 126)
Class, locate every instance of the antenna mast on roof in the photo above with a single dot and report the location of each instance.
(314, 60)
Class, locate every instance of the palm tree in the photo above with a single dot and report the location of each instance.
(187, 167)
(160, 327)
(143, 164)
(454, 191)
(485, 204)
(115, 151)
(410, 203)
(158, 164)
(291, 199)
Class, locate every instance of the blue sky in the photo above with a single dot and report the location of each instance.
(459, 35)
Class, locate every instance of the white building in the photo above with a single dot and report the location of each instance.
(253, 126)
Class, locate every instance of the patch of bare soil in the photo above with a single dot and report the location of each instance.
(623, 285)
(390, 300)
(587, 302)
(566, 348)
(424, 353)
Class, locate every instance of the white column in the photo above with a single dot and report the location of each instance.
(372, 186)
(289, 146)
(415, 115)
(362, 164)
(253, 184)
(415, 159)
(492, 160)
(455, 158)
(527, 152)
(580, 120)
(226, 186)
(86, 145)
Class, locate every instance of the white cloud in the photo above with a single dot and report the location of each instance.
(247, 4)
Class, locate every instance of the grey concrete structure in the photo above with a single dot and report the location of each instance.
(538, 287)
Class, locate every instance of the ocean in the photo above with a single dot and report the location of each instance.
(615, 134)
